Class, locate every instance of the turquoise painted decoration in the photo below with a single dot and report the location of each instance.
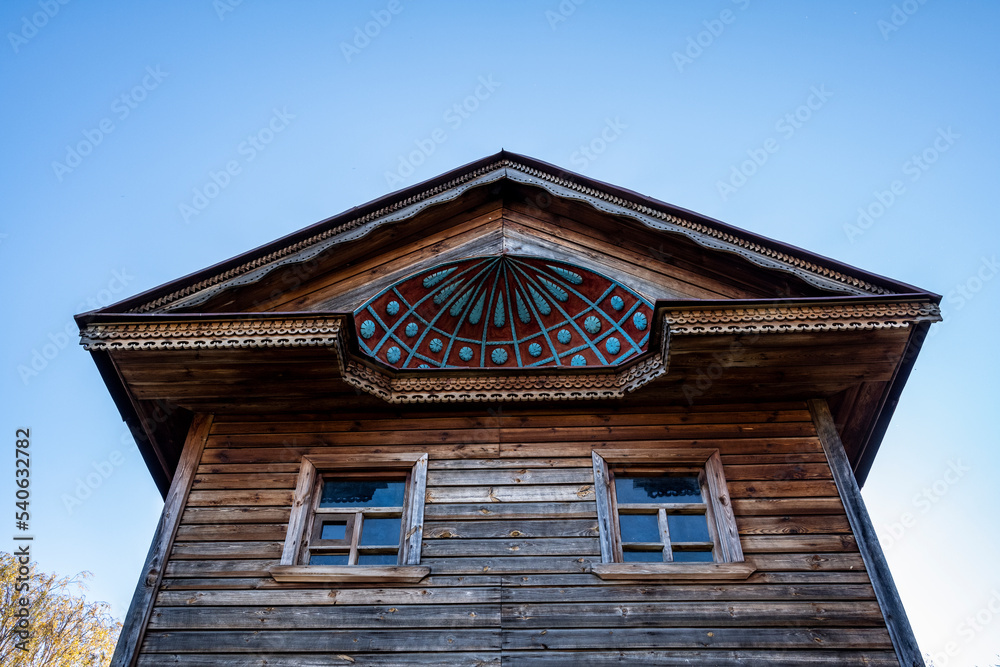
(567, 274)
(613, 345)
(459, 305)
(504, 311)
(543, 306)
(477, 311)
(498, 314)
(522, 310)
(436, 277)
(556, 291)
(445, 292)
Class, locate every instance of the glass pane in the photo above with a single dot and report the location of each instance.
(688, 528)
(328, 559)
(639, 528)
(380, 531)
(378, 559)
(658, 489)
(693, 557)
(333, 530)
(359, 493)
(642, 556)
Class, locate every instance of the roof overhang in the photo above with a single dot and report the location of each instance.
(856, 351)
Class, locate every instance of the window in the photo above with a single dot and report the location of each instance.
(665, 513)
(356, 520)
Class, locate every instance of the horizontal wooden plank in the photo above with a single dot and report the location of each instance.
(239, 532)
(257, 659)
(510, 528)
(717, 637)
(318, 641)
(519, 564)
(515, 476)
(286, 595)
(490, 510)
(672, 592)
(240, 515)
(512, 547)
(240, 498)
(758, 614)
(328, 617)
(225, 550)
(538, 493)
(793, 524)
(780, 506)
(686, 658)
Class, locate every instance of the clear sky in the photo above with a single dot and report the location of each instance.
(783, 118)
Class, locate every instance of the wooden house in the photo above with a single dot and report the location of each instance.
(513, 415)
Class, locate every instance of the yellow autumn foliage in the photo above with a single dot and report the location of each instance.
(66, 629)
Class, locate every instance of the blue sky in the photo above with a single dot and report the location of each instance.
(786, 119)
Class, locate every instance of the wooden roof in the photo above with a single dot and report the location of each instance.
(731, 315)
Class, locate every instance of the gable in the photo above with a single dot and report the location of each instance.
(507, 207)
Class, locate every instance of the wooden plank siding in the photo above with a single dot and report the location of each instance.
(510, 532)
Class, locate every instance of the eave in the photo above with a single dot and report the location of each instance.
(785, 349)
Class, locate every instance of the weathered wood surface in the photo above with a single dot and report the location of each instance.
(510, 535)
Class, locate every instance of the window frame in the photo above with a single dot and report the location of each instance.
(294, 565)
(728, 560)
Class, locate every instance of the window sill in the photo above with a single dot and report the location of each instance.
(674, 571)
(349, 573)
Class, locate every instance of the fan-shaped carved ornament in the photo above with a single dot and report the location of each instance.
(504, 312)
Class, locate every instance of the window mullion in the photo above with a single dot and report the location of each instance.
(352, 558)
(668, 552)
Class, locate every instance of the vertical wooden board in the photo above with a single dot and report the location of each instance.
(415, 512)
(134, 626)
(301, 503)
(871, 552)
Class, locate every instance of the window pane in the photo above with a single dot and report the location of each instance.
(693, 557)
(642, 556)
(688, 528)
(378, 559)
(658, 490)
(639, 528)
(380, 531)
(333, 530)
(357, 493)
(328, 559)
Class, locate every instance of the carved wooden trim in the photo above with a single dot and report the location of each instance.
(558, 185)
(903, 640)
(798, 319)
(134, 626)
(484, 385)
